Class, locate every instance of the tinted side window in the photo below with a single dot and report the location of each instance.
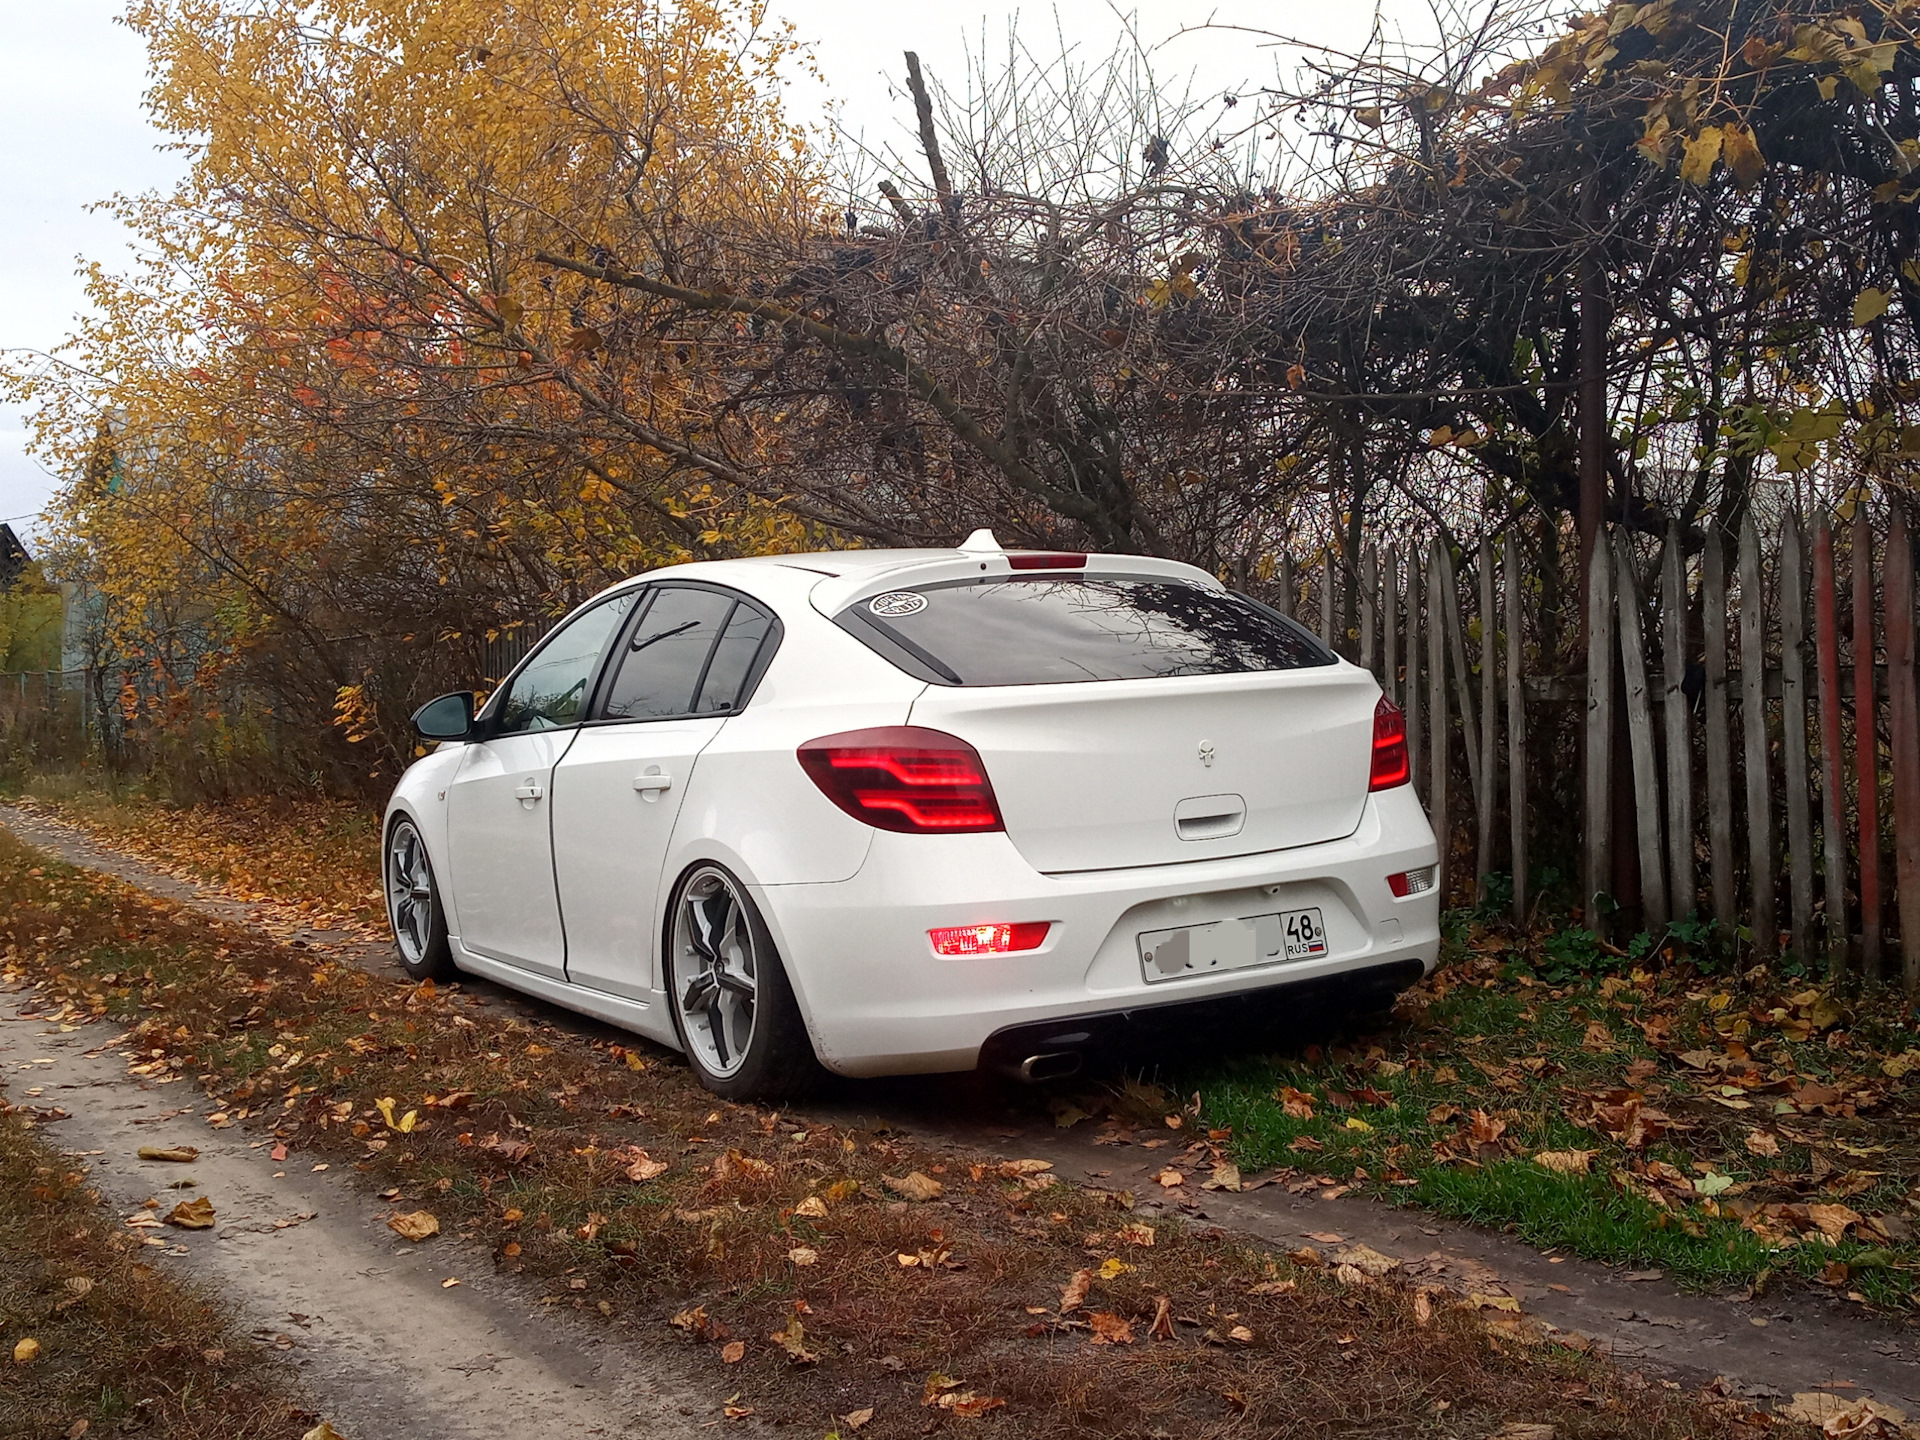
(732, 660)
(1041, 632)
(664, 660)
(552, 689)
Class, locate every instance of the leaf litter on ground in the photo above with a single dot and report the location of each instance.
(305, 1051)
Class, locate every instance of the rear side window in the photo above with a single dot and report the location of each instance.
(1048, 631)
(692, 651)
(740, 641)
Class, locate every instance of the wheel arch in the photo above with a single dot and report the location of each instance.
(435, 843)
(759, 895)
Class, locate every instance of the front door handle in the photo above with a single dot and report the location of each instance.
(652, 783)
(530, 791)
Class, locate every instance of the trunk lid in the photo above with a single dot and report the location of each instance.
(1112, 774)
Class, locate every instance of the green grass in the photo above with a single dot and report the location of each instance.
(1389, 1113)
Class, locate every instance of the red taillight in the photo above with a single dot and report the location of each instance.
(1390, 767)
(1046, 560)
(989, 939)
(904, 777)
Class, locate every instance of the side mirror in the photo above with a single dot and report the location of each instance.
(448, 718)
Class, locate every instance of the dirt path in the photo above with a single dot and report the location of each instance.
(393, 1340)
(1765, 1348)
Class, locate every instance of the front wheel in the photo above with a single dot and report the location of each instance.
(732, 1003)
(413, 906)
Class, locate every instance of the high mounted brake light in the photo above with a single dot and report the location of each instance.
(1390, 764)
(906, 778)
(1046, 560)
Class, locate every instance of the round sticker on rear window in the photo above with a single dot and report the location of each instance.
(897, 603)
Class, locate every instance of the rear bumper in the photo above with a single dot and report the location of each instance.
(878, 1001)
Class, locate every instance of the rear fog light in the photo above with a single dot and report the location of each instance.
(989, 939)
(1411, 882)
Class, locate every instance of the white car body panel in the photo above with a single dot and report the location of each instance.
(1091, 778)
(610, 843)
(879, 1001)
(1095, 776)
(499, 841)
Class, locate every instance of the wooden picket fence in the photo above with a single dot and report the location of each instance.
(1751, 699)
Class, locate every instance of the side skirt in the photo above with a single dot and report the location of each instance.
(636, 1015)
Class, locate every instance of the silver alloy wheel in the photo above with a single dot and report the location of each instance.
(409, 892)
(716, 971)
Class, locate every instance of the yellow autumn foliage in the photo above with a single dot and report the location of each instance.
(340, 415)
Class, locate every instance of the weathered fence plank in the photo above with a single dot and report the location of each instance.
(1753, 727)
(1412, 695)
(1903, 727)
(1489, 722)
(1833, 797)
(1390, 623)
(1369, 602)
(1462, 678)
(1516, 736)
(1646, 773)
(1405, 621)
(1793, 735)
(1437, 708)
(1713, 612)
(1866, 751)
(1682, 893)
(1599, 738)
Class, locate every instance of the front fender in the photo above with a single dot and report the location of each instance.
(421, 795)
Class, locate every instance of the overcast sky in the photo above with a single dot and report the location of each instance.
(72, 131)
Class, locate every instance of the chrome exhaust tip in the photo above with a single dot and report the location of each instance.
(1054, 1065)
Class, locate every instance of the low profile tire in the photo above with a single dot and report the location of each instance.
(732, 1003)
(413, 906)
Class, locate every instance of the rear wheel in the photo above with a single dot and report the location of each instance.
(413, 906)
(732, 1004)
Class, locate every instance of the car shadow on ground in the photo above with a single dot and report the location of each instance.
(1126, 1075)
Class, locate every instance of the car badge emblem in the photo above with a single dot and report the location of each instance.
(1206, 753)
(897, 602)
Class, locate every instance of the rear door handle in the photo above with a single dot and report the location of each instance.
(530, 791)
(653, 780)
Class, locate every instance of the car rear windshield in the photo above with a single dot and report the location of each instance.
(1051, 630)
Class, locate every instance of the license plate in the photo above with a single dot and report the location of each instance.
(1233, 944)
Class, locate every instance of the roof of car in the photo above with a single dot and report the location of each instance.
(854, 562)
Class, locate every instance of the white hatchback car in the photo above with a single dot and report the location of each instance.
(916, 810)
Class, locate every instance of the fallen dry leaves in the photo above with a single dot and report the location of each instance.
(178, 1154)
(914, 1186)
(1109, 1328)
(414, 1225)
(792, 1339)
(194, 1214)
(946, 1393)
(1074, 1295)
